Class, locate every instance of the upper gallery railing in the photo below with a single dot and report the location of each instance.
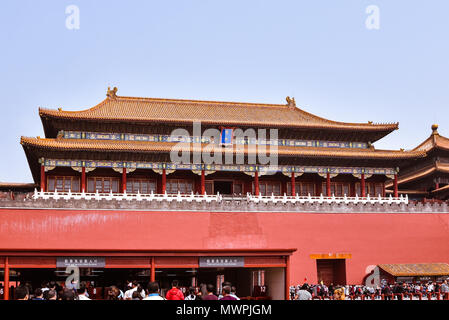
(217, 198)
(322, 199)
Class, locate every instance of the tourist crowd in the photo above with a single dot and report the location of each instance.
(308, 292)
(133, 291)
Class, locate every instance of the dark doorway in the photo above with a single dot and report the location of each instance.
(331, 271)
(238, 277)
(223, 187)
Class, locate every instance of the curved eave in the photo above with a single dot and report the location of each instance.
(437, 167)
(128, 109)
(414, 192)
(442, 189)
(153, 147)
(385, 128)
(17, 186)
(433, 142)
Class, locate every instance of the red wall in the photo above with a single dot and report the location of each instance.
(371, 238)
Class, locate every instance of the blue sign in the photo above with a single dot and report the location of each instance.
(226, 136)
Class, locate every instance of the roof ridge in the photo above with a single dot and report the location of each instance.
(144, 109)
(199, 101)
(393, 125)
(270, 105)
(396, 124)
(98, 105)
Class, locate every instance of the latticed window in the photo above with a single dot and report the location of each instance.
(209, 187)
(339, 189)
(103, 185)
(143, 186)
(302, 188)
(63, 184)
(237, 188)
(371, 188)
(181, 185)
(267, 188)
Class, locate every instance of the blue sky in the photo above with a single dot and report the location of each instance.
(318, 51)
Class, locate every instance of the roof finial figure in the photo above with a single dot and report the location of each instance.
(291, 102)
(435, 129)
(112, 94)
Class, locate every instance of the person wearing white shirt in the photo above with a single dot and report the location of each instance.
(83, 297)
(82, 292)
(233, 293)
(135, 287)
(153, 289)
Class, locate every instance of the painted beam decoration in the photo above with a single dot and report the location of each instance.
(226, 138)
(158, 166)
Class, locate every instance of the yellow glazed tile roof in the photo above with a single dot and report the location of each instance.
(118, 108)
(434, 141)
(140, 146)
(435, 167)
(418, 269)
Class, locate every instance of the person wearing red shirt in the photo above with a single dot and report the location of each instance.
(174, 293)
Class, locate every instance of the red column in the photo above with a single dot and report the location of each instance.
(256, 183)
(293, 185)
(83, 179)
(395, 184)
(6, 282)
(328, 184)
(153, 270)
(124, 180)
(287, 278)
(437, 185)
(164, 181)
(43, 178)
(362, 185)
(203, 182)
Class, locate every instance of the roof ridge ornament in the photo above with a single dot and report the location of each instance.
(435, 129)
(112, 94)
(291, 102)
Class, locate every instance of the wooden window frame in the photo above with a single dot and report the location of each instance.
(111, 179)
(130, 184)
(73, 179)
(300, 186)
(178, 181)
(238, 182)
(370, 189)
(334, 186)
(266, 183)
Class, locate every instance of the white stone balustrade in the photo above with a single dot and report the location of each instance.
(126, 197)
(321, 199)
(218, 198)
